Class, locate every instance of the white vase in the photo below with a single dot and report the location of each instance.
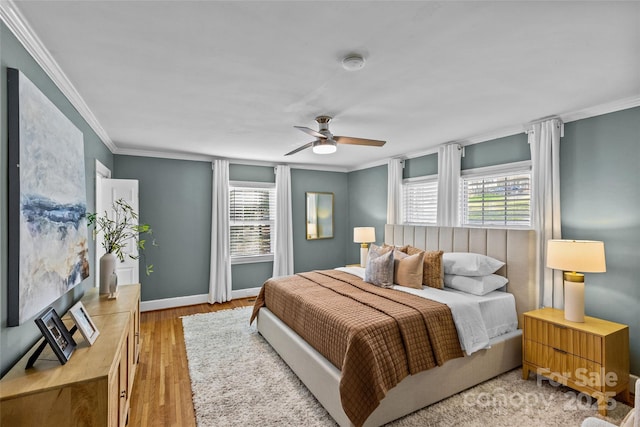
(107, 271)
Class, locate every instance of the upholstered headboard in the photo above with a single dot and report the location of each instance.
(514, 247)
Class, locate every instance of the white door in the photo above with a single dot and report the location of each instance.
(128, 271)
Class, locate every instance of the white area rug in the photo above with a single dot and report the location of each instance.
(237, 379)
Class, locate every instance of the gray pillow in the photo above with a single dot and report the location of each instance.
(379, 269)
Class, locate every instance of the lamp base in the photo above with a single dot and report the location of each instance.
(574, 297)
(364, 253)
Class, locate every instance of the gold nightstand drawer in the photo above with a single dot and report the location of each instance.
(563, 366)
(569, 340)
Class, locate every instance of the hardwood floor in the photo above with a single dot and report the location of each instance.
(161, 393)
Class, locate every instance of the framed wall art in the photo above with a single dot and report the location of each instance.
(84, 323)
(48, 247)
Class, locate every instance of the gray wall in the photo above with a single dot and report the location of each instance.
(15, 341)
(324, 253)
(600, 200)
(367, 206)
(509, 149)
(421, 166)
(175, 200)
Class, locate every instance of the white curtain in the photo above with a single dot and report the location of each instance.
(394, 191)
(449, 158)
(220, 273)
(544, 142)
(283, 240)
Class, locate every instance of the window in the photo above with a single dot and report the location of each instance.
(497, 196)
(420, 200)
(252, 220)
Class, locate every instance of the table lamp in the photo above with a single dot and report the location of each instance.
(571, 256)
(364, 235)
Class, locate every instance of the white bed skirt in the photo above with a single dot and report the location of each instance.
(413, 393)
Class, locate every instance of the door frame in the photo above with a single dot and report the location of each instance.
(101, 172)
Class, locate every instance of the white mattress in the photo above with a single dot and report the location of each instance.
(478, 319)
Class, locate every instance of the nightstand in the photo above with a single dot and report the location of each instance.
(591, 357)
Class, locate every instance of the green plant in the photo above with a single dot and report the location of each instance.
(118, 228)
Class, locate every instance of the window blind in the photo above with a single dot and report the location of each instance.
(498, 199)
(252, 213)
(420, 201)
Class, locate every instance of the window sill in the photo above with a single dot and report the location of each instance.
(251, 259)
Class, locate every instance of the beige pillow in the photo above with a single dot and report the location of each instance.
(381, 250)
(396, 248)
(408, 269)
(432, 273)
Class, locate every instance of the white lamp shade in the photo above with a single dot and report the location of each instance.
(585, 256)
(364, 234)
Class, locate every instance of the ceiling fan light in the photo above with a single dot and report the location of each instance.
(324, 147)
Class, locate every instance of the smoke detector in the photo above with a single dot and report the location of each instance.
(353, 62)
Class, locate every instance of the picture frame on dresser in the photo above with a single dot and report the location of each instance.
(84, 322)
(56, 334)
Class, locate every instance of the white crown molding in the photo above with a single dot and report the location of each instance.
(163, 154)
(19, 26)
(15, 21)
(204, 158)
(599, 110)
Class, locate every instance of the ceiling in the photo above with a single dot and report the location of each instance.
(231, 78)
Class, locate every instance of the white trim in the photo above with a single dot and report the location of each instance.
(19, 26)
(599, 110)
(161, 304)
(206, 158)
(245, 293)
(251, 259)
(422, 178)
(252, 184)
(498, 169)
(102, 172)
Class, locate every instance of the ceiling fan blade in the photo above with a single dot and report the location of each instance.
(300, 148)
(358, 141)
(311, 132)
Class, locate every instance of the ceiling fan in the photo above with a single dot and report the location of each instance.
(326, 142)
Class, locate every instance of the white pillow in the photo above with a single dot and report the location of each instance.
(469, 264)
(476, 285)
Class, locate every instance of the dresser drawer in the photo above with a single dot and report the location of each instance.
(575, 342)
(565, 366)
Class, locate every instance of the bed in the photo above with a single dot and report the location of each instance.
(514, 247)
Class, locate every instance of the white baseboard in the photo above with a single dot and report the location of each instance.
(245, 293)
(160, 304)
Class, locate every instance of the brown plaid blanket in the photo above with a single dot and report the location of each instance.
(375, 336)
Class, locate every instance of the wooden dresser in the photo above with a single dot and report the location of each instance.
(94, 387)
(591, 357)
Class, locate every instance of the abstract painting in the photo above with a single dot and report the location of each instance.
(48, 247)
